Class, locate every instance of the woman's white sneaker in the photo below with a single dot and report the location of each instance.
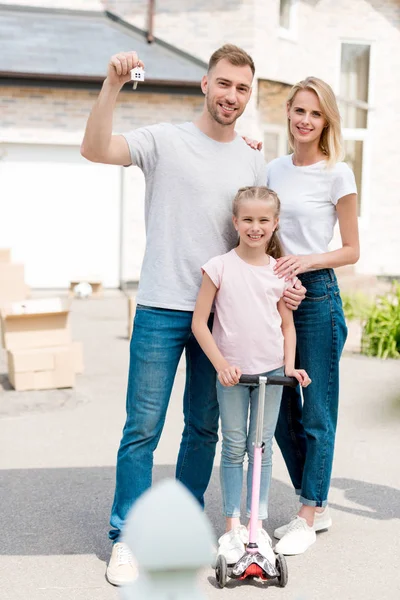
(322, 520)
(122, 568)
(232, 544)
(297, 539)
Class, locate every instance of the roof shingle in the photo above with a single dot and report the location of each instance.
(44, 43)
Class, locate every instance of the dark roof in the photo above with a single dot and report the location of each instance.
(75, 45)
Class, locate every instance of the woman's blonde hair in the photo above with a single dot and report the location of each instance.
(331, 138)
(274, 246)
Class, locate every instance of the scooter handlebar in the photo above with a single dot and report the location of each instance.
(273, 380)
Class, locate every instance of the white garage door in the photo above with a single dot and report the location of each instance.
(60, 214)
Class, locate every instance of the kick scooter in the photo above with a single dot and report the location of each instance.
(253, 564)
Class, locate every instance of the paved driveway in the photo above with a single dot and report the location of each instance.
(57, 454)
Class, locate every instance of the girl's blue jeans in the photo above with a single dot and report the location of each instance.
(159, 337)
(238, 407)
(306, 433)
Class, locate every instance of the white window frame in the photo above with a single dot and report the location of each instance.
(280, 131)
(361, 134)
(289, 33)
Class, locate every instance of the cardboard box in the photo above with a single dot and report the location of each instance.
(41, 369)
(5, 255)
(96, 285)
(12, 283)
(39, 329)
(131, 314)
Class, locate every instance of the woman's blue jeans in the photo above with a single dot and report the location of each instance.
(306, 433)
(238, 436)
(158, 340)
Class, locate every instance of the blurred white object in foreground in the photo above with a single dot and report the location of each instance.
(160, 531)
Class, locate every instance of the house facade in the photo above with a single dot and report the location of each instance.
(63, 217)
(354, 46)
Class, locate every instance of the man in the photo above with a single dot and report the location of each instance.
(192, 172)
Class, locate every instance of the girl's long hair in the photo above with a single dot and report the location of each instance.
(331, 142)
(274, 246)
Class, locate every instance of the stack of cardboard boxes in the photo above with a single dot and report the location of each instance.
(40, 351)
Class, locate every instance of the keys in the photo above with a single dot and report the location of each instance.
(137, 75)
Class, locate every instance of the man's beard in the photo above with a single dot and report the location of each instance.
(214, 113)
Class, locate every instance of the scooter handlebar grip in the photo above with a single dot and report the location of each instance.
(273, 380)
(280, 380)
(250, 379)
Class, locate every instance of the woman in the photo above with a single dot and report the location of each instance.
(315, 190)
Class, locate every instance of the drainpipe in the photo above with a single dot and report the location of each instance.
(150, 21)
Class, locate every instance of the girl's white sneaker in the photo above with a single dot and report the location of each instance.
(297, 539)
(322, 520)
(232, 544)
(264, 544)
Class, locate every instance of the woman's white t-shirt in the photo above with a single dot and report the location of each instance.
(308, 198)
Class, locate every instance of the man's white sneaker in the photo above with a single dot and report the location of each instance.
(297, 539)
(264, 544)
(322, 520)
(231, 544)
(122, 568)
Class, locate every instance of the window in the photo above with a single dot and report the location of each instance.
(354, 107)
(354, 82)
(275, 142)
(354, 158)
(284, 13)
(287, 18)
(271, 145)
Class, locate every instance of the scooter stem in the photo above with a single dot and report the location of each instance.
(258, 450)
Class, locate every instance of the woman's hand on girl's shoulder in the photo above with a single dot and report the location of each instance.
(229, 376)
(291, 265)
(301, 376)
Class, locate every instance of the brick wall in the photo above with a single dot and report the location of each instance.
(272, 97)
(64, 110)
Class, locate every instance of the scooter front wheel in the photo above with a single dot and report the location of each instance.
(221, 571)
(281, 567)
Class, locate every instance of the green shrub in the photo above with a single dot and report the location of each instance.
(356, 306)
(381, 332)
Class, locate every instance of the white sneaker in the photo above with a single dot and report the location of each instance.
(264, 544)
(322, 520)
(231, 544)
(122, 568)
(298, 537)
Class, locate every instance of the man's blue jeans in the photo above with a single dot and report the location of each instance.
(238, 436)
(158, 340)
(306, 434)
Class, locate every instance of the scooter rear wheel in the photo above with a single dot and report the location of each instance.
(281, 567)
(221, 571)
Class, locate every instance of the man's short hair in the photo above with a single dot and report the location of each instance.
(235, 55)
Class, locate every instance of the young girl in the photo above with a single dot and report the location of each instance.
(253, 333)
(316, 190)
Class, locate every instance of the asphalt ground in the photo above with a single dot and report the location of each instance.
(57, 470)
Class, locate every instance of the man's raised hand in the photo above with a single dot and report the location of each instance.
(120, 66)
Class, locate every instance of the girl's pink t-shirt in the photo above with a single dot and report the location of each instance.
(247, 324)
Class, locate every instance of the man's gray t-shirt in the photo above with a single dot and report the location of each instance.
(191, 181)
